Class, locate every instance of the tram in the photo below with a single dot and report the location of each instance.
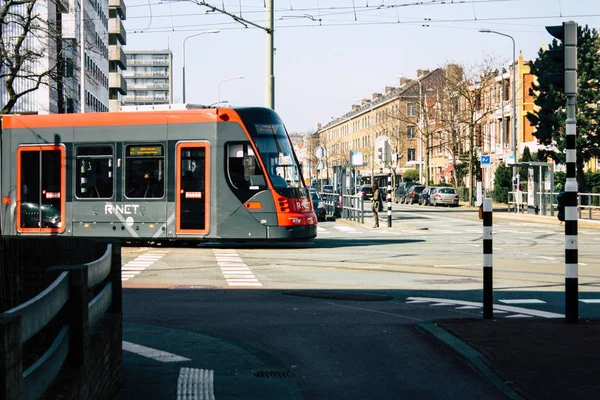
(185, 174)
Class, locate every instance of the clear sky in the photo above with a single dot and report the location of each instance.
(331, 53)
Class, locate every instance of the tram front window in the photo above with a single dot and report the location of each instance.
(278, 156)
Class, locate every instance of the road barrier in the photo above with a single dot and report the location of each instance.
(73, 304)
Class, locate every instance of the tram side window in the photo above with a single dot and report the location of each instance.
(244, 173)
(144, 171)
(95, 172)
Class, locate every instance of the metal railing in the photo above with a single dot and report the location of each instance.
(588, 204)
(331, 202)
(21, 323)
(353, 207)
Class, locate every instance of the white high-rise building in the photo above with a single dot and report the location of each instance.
(60, 52)
(149, 77)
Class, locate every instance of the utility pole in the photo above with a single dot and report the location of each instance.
(82, 56)
(270, 78)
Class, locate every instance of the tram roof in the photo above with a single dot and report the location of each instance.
(154, 117)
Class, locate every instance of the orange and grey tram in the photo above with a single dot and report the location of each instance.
(193, 174)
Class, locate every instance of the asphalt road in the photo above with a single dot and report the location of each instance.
(337, 317)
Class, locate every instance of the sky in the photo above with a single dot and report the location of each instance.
(332, 53)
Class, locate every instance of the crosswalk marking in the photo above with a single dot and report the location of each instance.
(234, 270)
(134, 267)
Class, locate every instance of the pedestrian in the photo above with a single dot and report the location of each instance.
(376, 204)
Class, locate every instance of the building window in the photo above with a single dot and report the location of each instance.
(412, 155)
(410, 132)
(410, 109)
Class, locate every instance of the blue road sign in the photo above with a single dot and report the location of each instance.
(485, 161)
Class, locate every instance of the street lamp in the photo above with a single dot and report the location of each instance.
(183, 53)
(514, 101)
(225, 80)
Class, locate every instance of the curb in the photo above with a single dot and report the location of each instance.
(474, 358)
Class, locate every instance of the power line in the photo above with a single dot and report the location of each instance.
(366, 23)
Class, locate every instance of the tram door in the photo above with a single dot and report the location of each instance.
(41, 189)
(193, 188)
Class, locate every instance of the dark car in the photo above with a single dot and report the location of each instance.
(328, 188)
(318, 205)
(425, 195)
(412, 195)
(366, 191)
(30, 216)
(401, 191)
(404, 198)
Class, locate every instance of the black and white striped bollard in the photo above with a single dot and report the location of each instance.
(488, 285)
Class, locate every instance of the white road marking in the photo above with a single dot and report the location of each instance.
(592, 301)
(522, 301)
(234, 270)
(343, 228)
(497, 307)
(143, 261)
(519, 316)
(195, 384)
(467, 307)
(154, 354)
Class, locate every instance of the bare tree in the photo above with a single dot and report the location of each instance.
(467, 106)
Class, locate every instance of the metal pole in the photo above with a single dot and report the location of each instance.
(82, 55)
(514, 107)
(389, 200)
(270, 78)
(571, 251)
(183, 56)
(488, 284)
(183, 69)
(420, 122)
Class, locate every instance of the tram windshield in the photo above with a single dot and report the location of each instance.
(276, 152)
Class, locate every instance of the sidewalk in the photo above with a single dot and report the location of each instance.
(528, 359)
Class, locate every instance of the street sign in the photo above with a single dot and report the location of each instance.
(320, 152)
(486, 162)
(320, 165)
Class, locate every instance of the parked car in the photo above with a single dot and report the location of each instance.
(318, 205)
(401, 191)
(424, 196)
(444, 195)
(412, 195)
(327, 189)
(366, 191)
(403, 198)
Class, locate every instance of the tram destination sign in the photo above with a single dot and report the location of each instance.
(145, 150)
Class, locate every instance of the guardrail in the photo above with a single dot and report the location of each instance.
(66, 303)
(588, 204)
(331, 202)
(353, 208)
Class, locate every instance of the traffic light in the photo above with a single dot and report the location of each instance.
(565, 58)
(387, 152)
(380, 154)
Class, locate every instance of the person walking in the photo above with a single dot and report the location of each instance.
(376, 204)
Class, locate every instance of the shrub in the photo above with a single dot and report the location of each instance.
(411, 175)
(596, 199)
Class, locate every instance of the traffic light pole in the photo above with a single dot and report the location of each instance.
(389, 200)
(568, 58)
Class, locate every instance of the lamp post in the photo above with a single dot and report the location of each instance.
(514, 101)
(183, 54)
(225, 80)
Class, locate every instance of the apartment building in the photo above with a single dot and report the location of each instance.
(117, 63)
(61, 42)
(149, 77)
(401, 116)
(496, 130)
